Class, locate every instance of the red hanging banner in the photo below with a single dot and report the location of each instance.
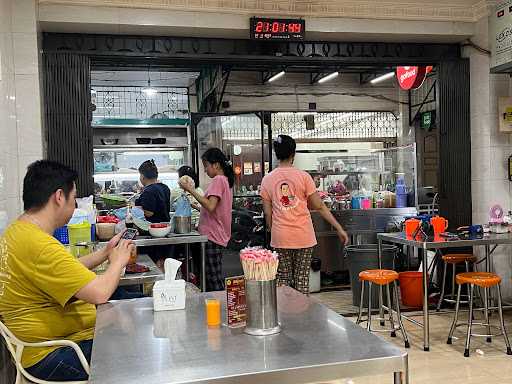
(410, 77)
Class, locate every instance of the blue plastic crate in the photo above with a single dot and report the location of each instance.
(62, 235)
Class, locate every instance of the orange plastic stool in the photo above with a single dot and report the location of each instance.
(453, 259)
(484, 280)
(381, 277)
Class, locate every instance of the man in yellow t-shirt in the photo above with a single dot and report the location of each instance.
(46, 293)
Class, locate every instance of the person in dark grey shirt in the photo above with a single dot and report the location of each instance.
(155, 198)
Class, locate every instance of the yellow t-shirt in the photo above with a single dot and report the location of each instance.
(38, 281)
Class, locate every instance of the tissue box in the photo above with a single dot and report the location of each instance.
(169, 295)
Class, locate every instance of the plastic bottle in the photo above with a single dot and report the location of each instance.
(401, 191)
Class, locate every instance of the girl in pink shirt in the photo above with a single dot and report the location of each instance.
(288, 193)
(215, 214)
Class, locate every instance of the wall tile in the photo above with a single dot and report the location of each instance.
(499, 193)
(480, 163)
(25, 54)
(8, 133)
(28, 113)
(11, 176)
(480, 131)
(499, 162)
(5, 15)
(6, 53)
(24, 16)
(13, 208)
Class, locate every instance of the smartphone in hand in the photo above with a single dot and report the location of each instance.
(130, 234)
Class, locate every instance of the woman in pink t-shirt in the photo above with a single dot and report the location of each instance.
(288, 193)
(215, 214)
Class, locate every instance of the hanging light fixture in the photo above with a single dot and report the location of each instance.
(276, 76)
(149, 90)
(328, 77)
(386, 76)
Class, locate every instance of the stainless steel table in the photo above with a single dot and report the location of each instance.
(440, 243)
(154, 274)
(175, 239)
(171, 347)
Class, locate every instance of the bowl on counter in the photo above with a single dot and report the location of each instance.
(109, 141)
(143, 140)
(105, 231)
(159, 229)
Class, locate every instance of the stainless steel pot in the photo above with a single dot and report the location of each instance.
(182, 224)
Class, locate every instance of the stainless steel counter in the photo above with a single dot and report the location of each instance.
(154, 274)
(440, 243)
(171, 239)
(175, 239)
(133, 344)
(358, 223)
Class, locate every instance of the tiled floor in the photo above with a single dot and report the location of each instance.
(488, 363)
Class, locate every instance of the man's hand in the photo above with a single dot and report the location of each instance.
(114, 241)
(121, 253)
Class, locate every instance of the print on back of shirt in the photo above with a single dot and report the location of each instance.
(287, 195)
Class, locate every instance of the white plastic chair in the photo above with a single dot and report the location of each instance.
(16, 346)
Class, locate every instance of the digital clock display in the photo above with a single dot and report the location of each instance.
(277, 29)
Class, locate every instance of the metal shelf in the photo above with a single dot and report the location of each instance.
(137, 147)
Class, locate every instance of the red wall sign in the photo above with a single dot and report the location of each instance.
(410, 77)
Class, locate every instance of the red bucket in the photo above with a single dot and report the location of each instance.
(411, 288)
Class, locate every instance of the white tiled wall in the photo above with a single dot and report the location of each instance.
(490, 149)
(20, 110)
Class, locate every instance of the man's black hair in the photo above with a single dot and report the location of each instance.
(43, 179)
(149, 170)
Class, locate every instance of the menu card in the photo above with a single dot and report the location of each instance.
(235, 292)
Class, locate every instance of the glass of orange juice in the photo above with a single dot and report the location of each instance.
(212, 312)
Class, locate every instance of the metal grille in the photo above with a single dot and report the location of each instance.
(328, 125)
(133, 103)
(455, 142)
(67, 114)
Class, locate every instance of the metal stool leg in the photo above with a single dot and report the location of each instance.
(454, 269)
(486, 314)
(390, 312)
(456, 317)
(399, 315)
(470, 320)
(503, 329)
(361, 303)
(369, 325)
(441, 298)
(381, 306)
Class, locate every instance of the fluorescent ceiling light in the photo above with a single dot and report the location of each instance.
(149, 91)
(383, 77)
(276, 76)
(328, 77)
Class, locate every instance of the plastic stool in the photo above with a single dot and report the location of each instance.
(381, 277)
(453, 259)
(484, 280)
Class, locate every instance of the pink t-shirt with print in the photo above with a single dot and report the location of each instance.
(217, 225)
(288, 189)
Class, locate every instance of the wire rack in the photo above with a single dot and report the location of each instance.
(118, 102)
(304, 125)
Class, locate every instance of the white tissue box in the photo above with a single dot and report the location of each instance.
(169, 295)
